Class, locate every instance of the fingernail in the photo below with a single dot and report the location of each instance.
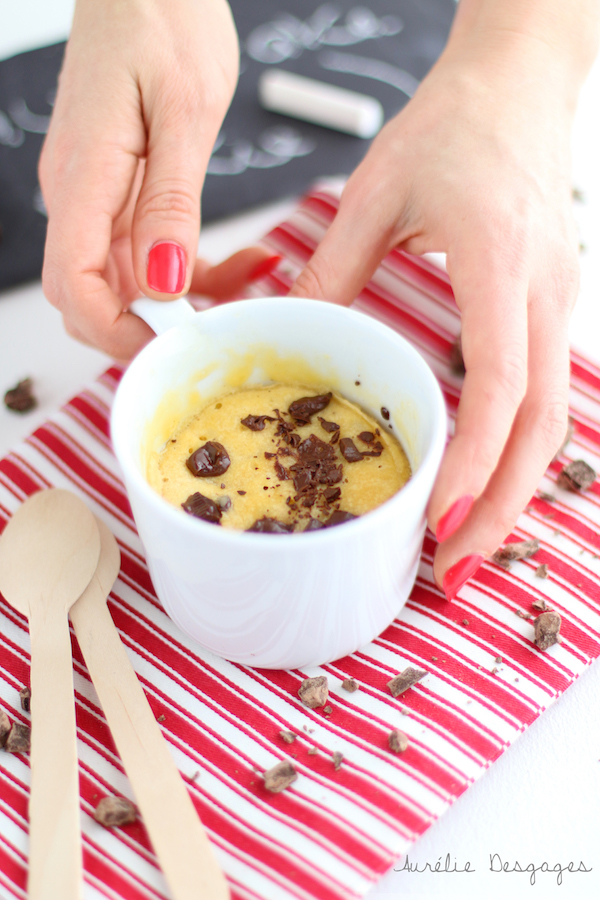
(454, 517)
(263, 268)
(459, 574)
(166, 268)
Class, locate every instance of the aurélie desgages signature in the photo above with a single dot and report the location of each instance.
(444, 865)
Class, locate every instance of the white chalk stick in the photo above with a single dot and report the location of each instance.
(323, 104)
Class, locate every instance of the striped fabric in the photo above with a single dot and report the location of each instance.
(334, 831)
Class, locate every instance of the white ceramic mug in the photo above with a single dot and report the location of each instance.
(279, 600)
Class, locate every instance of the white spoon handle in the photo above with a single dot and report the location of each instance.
(175, 830)
(55, 863)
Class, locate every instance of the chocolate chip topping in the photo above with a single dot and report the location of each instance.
(257, 423)
(331, 494)
(281, 471)
(21, 397)
(210, 459)
(385, 413)
(305, 407)
(328, 426)
(350, 451)
(204, 508)
(314, 525)
(367, 437)
(339, 517)
(266, 525)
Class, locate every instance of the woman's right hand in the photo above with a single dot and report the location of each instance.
(144, 89)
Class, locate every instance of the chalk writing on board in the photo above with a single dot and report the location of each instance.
(369, 68)
(277, 146)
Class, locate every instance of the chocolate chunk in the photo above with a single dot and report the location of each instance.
(337, 759)
(224, 503)
(331, 494)
(210, 459)
(328, 426)
(313, 449)
(385, 413)
(288, 737)
(405, 680)
(21, 397)
(203, 508)
(338, 518)
(257, 423)
(281, 471)
(314, 525)
(350, 684)
(519, 550)
(577, 476)
(270, 455)
(4, 727)
(280, 776)
(367, 437)
(25, 697)
(18, 739)
(541, 572)
(113, 812)
(457, 363)
(267, 525)
(397, 741)
(305, 407)
(350, 451)
(314, 691)
(547, 630)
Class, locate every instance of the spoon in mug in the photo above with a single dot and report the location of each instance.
(48, 554)
(174, 827)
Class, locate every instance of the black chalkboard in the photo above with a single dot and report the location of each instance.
(377, 47)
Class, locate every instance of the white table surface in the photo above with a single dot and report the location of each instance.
(540, 802)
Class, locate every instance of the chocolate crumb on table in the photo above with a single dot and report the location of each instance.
(4, 727)
(313, 692)
(311, 751)
(397, 741)
(540, 604)
(519, 550)
(547, 630)
(18, 739)
(25, 698)
(280, 776)
(337, 758)
(541, 572)
(21, 398)
(112, 812)
(288, 737)
(405, 680)
(350, 684)
(577, 476)
(327, 710)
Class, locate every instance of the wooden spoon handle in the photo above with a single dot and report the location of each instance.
(174, 827)
(55, 861)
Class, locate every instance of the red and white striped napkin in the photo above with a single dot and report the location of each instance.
(335, 830)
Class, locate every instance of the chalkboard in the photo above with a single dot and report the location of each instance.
(379, 47)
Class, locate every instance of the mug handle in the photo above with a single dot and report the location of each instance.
(161, 315)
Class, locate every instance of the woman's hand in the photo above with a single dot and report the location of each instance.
(478, 165)
(144, 88)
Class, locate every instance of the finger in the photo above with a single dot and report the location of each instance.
(538, 430)
(229, 278)
(492, 296)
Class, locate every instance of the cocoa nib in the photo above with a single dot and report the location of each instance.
(577, 476)
(21, 397)
(397, 741)
(257, 423)
(18, 739)
(339, 517)
(330, 427)
(115, 811)
(280, 776)
(405, 680)
(314, 691)
(547, 630)
(267, 525)
(350, 451)
(203, 508)
(519, 550)
(302, 409)
(210, 459)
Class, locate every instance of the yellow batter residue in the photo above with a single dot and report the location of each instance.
(253, 484)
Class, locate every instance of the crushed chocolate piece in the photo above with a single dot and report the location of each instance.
(367, 437)
(566, 439)
(314, 450)
(327, 710)
(267, 525)
(549, 498)
(280, 776)
(287, 737)
(397, 741)
(210, 459)
(577, 476)
(25, 698)
(350, 451)
(21, 397)
(270, 455)
(161, 718)
(542, 572)
(405, 680)
(257, 423)
(337, 759)
(498, 660)
(350, 684)
(302, 409)
(311, 751)
(547, 630)
(385, 413)
(204, 508)
(540, 604)
(112, 812)
(314, 525)
(522, 614)
(518, 550)
(338, 517)
(376, 449)
(331, 494)
(18, 739)
(4, 727)
(281, 471)
(313, 692)
(224, 503)
(330, 427)
(457, 363)
(465, 622)
(242, 493)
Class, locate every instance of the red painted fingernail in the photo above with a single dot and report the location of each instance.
(459, 574)
(264, 267)
(454, 517)
(166, 268)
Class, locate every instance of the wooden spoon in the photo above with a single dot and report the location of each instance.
(48, 553)
(173, 825)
